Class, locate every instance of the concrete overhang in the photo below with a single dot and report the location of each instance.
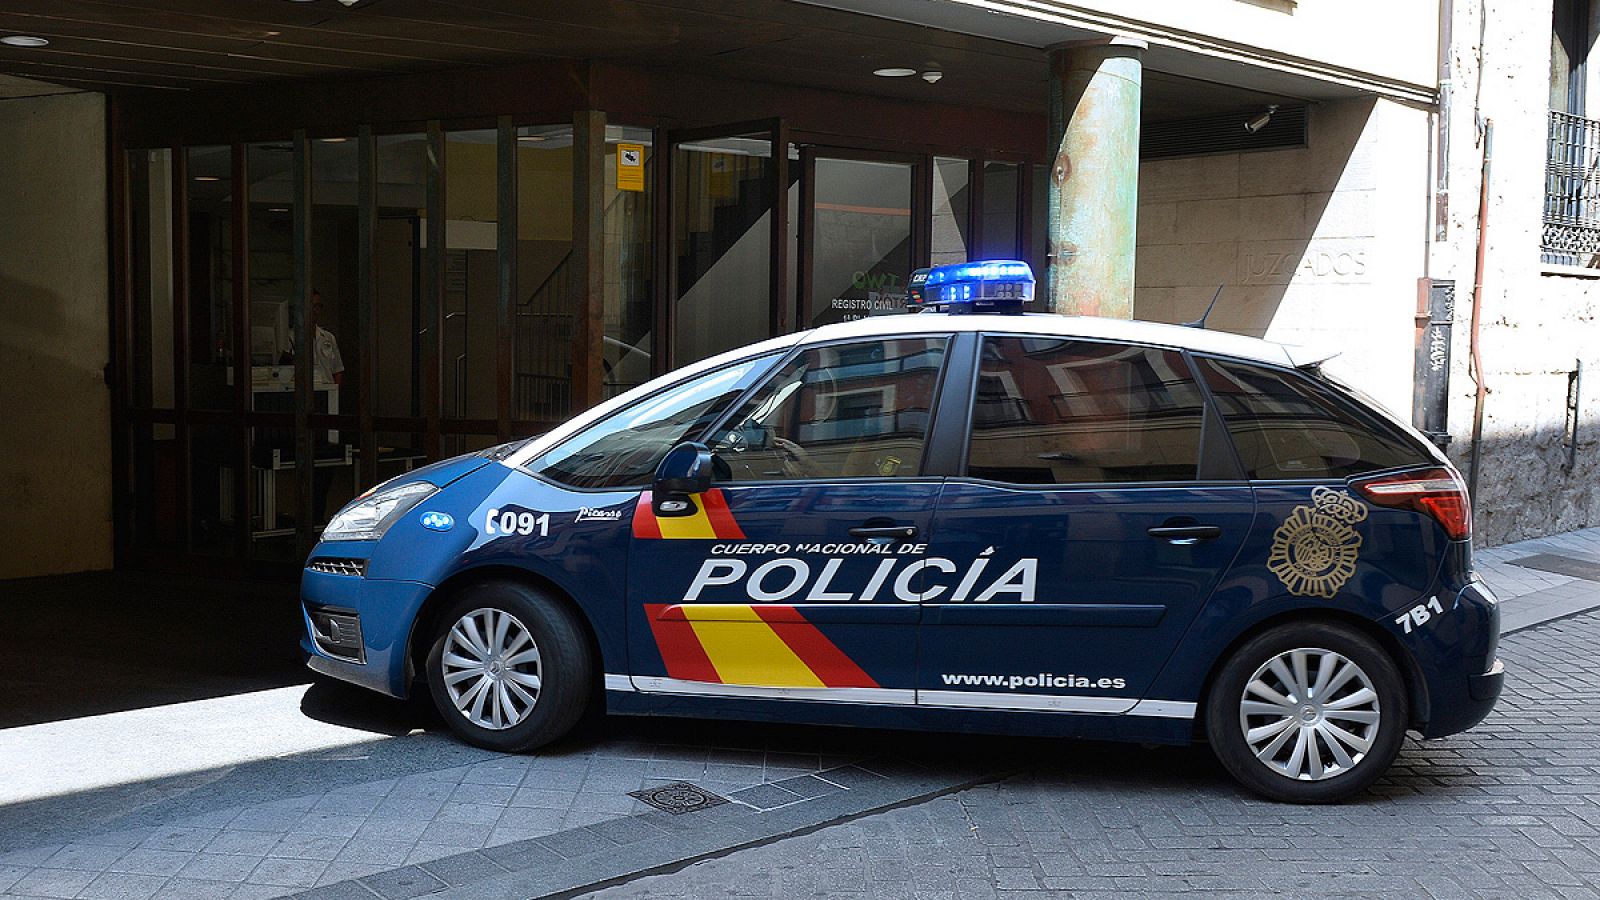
(1188, 55)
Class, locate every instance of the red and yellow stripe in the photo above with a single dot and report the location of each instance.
(750, 644)
(711, 520)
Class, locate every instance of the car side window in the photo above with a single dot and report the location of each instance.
(624, 449)
(1285, 425)
(856, 410)
(1063, 411)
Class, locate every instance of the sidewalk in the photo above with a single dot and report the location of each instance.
(1559, 575)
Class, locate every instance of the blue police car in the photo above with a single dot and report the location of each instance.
(983, 521)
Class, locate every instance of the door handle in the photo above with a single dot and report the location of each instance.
(884, 533)
(1184, 535)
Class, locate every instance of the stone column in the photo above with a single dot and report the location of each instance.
(1095, 91)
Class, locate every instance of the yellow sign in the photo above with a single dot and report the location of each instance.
(630, 167)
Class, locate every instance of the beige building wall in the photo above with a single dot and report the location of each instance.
(55, 409)
(1319, 246)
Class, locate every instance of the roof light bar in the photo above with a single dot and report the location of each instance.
(984, 286)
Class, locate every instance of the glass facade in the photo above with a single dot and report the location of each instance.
(629, 255)
(952, 221)
(544, 314)
(862, 243)
(400, 190)
(433, 274)
(722, 216)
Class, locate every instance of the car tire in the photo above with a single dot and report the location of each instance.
(509, 667)
(1307, 688)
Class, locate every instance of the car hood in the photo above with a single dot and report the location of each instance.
(443, 473)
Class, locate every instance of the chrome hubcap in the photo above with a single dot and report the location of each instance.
(491, 669)
(1309, 714)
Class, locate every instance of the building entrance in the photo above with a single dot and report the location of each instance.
(862, 240)
(731, 242)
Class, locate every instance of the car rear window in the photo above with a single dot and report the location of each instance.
(1286, 425)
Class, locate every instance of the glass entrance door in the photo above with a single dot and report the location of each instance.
(864, 233)
(730, 238)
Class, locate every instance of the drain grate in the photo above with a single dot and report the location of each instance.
(1561, 565)
(678, 798)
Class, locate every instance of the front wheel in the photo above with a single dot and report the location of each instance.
(1307, 712)
(509, 668)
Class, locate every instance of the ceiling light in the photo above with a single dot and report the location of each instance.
(894, 72)
(278, 209)
(206, 178)
(530, 137)
(23, 40)
(333, 140)
(932, 76)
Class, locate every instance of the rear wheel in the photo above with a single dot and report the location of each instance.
(509, 668)
(1307, 712)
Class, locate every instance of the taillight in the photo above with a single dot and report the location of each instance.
(1436, 492)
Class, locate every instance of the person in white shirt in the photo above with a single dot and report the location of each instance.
(327, 365)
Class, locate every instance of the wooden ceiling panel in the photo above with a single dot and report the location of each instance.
(776, 70)
(120, 45)
(202, 42)
(860, 55)
(90, 56)
(185, 21)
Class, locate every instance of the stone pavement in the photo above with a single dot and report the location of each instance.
(246, 793)
(1534, 595)
(1509, 809)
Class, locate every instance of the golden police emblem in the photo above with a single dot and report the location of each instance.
(1314, 551)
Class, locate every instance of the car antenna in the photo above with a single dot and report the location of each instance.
(1201, 322)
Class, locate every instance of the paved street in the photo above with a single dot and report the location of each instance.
(1510, 809)
(241, 786)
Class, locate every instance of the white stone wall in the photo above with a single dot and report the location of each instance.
(55, 409)
(1535, 324)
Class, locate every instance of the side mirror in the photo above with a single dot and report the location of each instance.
(685, 470)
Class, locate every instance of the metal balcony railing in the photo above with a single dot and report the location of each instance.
(1572, 192)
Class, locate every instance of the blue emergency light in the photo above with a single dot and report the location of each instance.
(988, 286)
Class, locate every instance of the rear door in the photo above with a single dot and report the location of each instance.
(1300, 441)
(795, 577)
(1098, 507)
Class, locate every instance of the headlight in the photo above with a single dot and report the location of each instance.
(367, 519)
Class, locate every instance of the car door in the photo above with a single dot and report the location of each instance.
(793, 577)
(1099, 506)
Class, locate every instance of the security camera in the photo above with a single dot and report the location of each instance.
(1259, 121)
(349, 2)
(932, 77)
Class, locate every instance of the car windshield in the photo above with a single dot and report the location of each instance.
(624, 449)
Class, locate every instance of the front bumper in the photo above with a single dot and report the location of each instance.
(380, 611)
